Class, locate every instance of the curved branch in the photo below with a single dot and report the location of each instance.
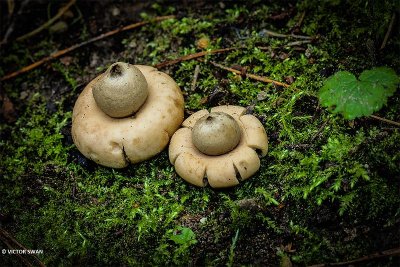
(385, 120)
(193, 56)
(48, 23)
(74, 47)
(376, 255)
(252, 76)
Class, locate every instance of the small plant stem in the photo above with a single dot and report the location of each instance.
(252, 76)
(10, 7)
(232, 250)
(320, 130)
(389, 30)
(76, 46)
(195, 76)
(298, 43)
(300, 22)
(377, 255)
(385, 120)
(280, 35)
(48, 23)
(193, 56)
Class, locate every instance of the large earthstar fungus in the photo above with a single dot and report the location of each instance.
(126, 115)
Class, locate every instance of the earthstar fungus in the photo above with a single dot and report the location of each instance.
(136, 135)
(219, 170)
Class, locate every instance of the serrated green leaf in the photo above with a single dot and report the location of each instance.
(353, 98)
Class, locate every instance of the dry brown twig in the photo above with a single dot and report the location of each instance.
(320, 130)
(377, 255)
(74, 47)
(388, 31)
(295, 43)
(280, 35)
(193, 56)
(10, 6)
(385, 120)
(300, 22)
(48, 23)
(251, 76)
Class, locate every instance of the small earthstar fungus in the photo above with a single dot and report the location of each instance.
(220, 148)
(126, 115)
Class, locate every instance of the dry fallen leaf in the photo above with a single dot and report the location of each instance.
(7, 109)
(66, 60)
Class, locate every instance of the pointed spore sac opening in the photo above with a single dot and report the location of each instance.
(116, 71)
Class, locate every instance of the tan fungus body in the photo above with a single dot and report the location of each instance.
(223, 170)
(116, 142)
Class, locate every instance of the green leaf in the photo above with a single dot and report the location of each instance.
(353, 98)
(387, 77)
(183, 235)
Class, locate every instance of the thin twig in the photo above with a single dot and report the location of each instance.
(8, 236)
(252, 76)
(302, 16)
(193, 56)
(294, 43)
(74, 47)
(385, 120)
(48, 23)
(10, 7)
(389, 30)
(195, 76)
(298, 146)
(298, 43)
(377, 255)
(280, 35)
(320, 130)
(12, 23)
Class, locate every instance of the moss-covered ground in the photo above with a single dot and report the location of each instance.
(328, 190)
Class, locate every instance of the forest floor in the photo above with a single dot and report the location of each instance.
(328, 191)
